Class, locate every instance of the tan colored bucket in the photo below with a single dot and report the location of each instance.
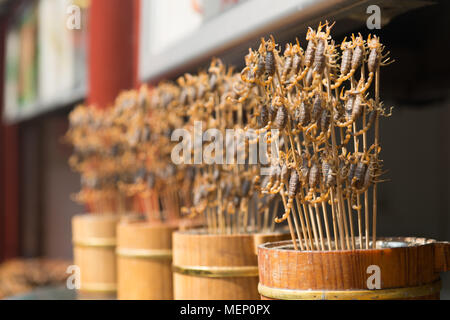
(144, 261)
(94, 242)
(400, 268)
(212, 267)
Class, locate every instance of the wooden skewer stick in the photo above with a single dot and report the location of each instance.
(366, 196)
(352, 233)
(297, 229)
(308, 223)
(333, 217)
(289, 219)
(319, 223)
(257, 224)
(313, 223)
(275, 212)
(292, 211)
(359, 220)
(296, 165)
(299, 235)
(282, 191)
(374, 216)
(228, 221)
(327, 227)
(318, 214)
(239, 219)
(339, 219)
(220, 209)
(301, 212)
(341, 211)
(214, 220)
(266, 219)
(308, 241)
(356, 144)
(344, 215)
(209, 220)
(374, 197)
(246, 213)
(310, 220)
(366, 217)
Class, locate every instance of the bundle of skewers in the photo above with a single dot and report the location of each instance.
(147, 122)
(224, 189)
(123, 156)
(96, 145)
(325, 104)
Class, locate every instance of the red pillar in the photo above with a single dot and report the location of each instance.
(9, 173)
(113, 45)
(10, 191)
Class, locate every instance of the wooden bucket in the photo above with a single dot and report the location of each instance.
(144, 261)
(400, 268)
(94, 241)
(215, 267)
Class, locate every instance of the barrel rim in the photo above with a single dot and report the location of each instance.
(101, 287)
(376, 294)
(217, 271)
(411, 241)
(94, 242)
(156, 254)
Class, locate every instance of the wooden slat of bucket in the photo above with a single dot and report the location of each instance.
(407, 272)
(442, 256)
(144, 261)
(94, 241)
(216, 266)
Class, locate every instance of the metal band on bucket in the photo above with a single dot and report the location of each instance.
(217, 272)
(377, 294)
(163, 254)
(99, 287)
(95, 242)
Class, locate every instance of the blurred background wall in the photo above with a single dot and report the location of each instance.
(36, 180)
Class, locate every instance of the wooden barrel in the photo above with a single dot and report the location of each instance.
(144, 261)
(399, 268)
(214, 267)
(94, 241)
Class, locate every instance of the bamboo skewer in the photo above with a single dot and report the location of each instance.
(339, 220)
(297, 229)
(266, 219)
(322, 245)
(291, 229)
(327, 227)
(275, 210)
(308, 222)
(302, 209)
(305, 229)
(314, 229)
(374, 197)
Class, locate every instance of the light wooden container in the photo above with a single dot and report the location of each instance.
(214, 267)
(144, 261)
(94, 242)
(408, 268)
